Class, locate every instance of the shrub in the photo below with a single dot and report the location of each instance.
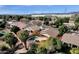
(4, 47)
(74, 51)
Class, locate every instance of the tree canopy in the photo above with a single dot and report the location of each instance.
(77, 22)
(10, 39)
(49, 46)
(23, 35)
(2, 23)
(63, 29)
(33, 49)
(58, 22)
(15, 29)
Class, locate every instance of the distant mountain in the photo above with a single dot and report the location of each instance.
(44, 13)
(56, 13)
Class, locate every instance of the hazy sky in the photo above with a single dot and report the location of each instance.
(30, 9)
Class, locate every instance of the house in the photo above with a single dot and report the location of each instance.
(71, 39)
(24, 20)
(19, 24)
(34, 26)
(36, 22)
(33, 29)
(53, 32)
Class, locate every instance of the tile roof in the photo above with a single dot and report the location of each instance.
(19, 24)
(50, 31)
(71, 38)
(35, 22)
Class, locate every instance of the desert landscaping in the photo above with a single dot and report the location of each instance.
(39, 34)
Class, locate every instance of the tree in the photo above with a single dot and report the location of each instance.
(33, 49)
(4, 47)
(29, 17)
(46, 20)
(63, 29)
(15, 29)
(50, 46)
(58, 22)
(74, 28)
(41, 50)
(23, 35)
(2, 23)
(57, 43)
(77, 22)
(41, 18)
(74, 51)
(37, 50)
(66, 19)
(10, 39)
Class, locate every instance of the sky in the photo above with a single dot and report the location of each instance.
(33, 9)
